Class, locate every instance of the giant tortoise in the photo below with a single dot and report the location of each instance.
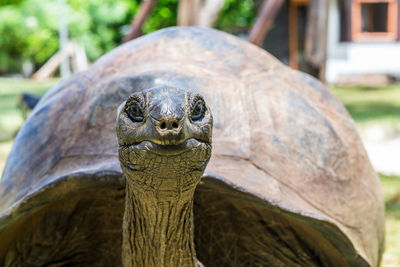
(288, 183)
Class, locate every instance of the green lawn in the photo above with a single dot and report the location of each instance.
(391, 191)
(10, 115)
(372, 105)
(366, 105)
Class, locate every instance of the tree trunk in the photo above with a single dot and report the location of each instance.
(199, 12)
(141, 16)
(264, 21)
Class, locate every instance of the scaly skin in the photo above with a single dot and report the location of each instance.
(164, 137)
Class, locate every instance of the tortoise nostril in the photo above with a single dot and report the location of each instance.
(168, 125)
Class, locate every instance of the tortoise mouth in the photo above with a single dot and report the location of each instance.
(169, 150)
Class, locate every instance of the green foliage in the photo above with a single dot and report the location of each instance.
(238, 15)
(97, 25)
(11, 42)
(10, 2)
(29, 29)
(164, 15)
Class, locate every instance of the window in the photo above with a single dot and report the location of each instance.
(374, 20)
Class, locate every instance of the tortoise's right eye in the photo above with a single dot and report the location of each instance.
(135, 112)
(198, 110)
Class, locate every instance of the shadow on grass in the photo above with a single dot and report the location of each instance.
(366, 88)
(393, 207)
(373, 111)
(391, 191)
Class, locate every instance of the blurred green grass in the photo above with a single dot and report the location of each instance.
(10, 115)
(371, 105)
(391, 192)
(367, 106)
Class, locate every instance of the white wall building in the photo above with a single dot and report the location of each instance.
(372, 45)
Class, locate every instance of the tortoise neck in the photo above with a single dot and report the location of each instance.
(158, 228)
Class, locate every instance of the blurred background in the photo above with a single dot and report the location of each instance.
(351, 45)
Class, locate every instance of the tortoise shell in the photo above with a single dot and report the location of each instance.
(289, 181)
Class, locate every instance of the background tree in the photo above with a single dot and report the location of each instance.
(29, 28)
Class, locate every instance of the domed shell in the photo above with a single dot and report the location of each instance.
(289, 180)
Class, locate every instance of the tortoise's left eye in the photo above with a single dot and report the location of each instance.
(198, 110)
(135, 112)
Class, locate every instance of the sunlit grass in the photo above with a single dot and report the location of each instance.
(5, 148)
(391, 192)
(372, 105)
(10, 115)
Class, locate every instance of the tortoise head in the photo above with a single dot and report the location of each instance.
(164, 133)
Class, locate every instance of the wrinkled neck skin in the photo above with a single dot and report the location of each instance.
(164, 137)
(158, 219)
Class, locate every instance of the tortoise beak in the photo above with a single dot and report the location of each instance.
(169, 131)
